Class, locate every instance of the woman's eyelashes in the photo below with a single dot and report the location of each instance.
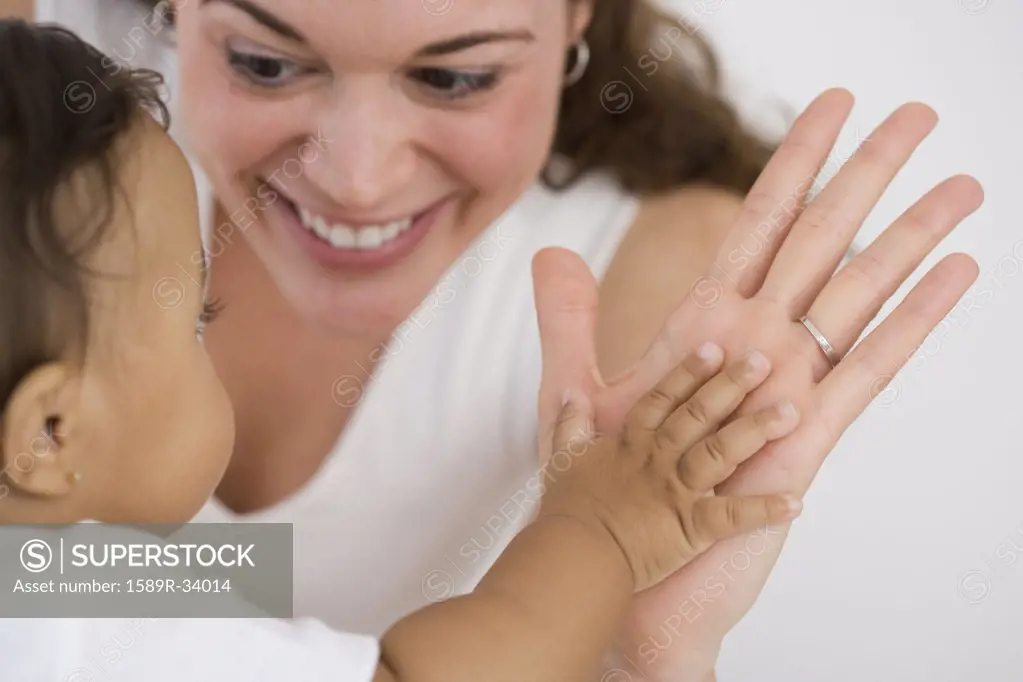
(210, 310)
(265, 71)
(270, 72)
(454, 84)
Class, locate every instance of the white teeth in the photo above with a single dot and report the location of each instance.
(369, 238)
(321, 228)
(341, 236)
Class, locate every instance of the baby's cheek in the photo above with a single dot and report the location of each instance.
(215, 414)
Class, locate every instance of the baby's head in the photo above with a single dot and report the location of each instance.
(111, 408)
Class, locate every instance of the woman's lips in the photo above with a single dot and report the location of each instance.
(356, 255)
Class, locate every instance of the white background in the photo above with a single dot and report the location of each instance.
(928, 485)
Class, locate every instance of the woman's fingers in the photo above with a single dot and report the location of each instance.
(574, 423)
(716, 457)
(822, 234)
(679, 386)
(860, 377)
(714, 402)
(720, 518)
(847, 390)
(778, 196)
(566, 309)
(858, 291)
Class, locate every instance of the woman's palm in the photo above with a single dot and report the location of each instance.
(778, 264)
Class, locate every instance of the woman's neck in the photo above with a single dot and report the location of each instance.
(273, 373)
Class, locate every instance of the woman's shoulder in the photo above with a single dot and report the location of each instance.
(675, 219)
(671, 242)
(682, 227)
(697, 212)
(590, 195)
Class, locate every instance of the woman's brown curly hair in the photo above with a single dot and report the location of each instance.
(650, 113)
(642, 111)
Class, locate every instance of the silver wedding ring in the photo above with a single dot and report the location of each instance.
(822, 341)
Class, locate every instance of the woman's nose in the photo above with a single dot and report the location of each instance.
(369, 155)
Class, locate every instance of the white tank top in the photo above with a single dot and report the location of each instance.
(433, 474)
(431, 477)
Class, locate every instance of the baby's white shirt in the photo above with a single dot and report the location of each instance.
(176, 649)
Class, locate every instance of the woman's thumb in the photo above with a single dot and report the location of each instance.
(566, 308)
(574, 423)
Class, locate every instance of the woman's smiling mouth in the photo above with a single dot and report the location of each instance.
(366, 244)
(345, 236)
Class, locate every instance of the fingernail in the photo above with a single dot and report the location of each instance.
(786, 409)
(793, 507)
(566, 397)
(757, 360)
(708, 351)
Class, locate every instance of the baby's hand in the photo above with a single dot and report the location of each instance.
(651, 487)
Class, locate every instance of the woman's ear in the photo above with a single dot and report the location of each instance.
(579, 18)
(37, 454)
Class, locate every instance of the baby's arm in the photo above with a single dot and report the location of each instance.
(629, 511)
(546, 611)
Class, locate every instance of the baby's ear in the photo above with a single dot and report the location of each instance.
(37, 423)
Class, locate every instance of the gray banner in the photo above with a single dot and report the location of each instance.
(196, 570)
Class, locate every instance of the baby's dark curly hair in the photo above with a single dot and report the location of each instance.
(65, 108)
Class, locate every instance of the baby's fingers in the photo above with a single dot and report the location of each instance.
(720, 518)
(716, 457)
(679, 386)
(712, 403)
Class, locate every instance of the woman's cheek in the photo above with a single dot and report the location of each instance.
(229, 129)
(238, 133)
(502, 145)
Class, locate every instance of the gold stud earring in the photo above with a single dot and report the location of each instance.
(74, 477)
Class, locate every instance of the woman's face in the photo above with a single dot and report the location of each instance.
(361, 145)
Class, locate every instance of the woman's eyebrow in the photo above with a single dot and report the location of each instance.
(267, 19)
(444, 47)
(472, 40)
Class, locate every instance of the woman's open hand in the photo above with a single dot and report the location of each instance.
(777, 264)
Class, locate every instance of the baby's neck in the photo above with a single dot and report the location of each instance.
(17, 509)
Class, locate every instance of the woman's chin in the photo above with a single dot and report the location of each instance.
(355, 310)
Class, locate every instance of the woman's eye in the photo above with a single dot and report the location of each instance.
(451, 84)
(263, 70)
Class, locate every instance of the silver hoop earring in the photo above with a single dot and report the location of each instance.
(582, 60)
